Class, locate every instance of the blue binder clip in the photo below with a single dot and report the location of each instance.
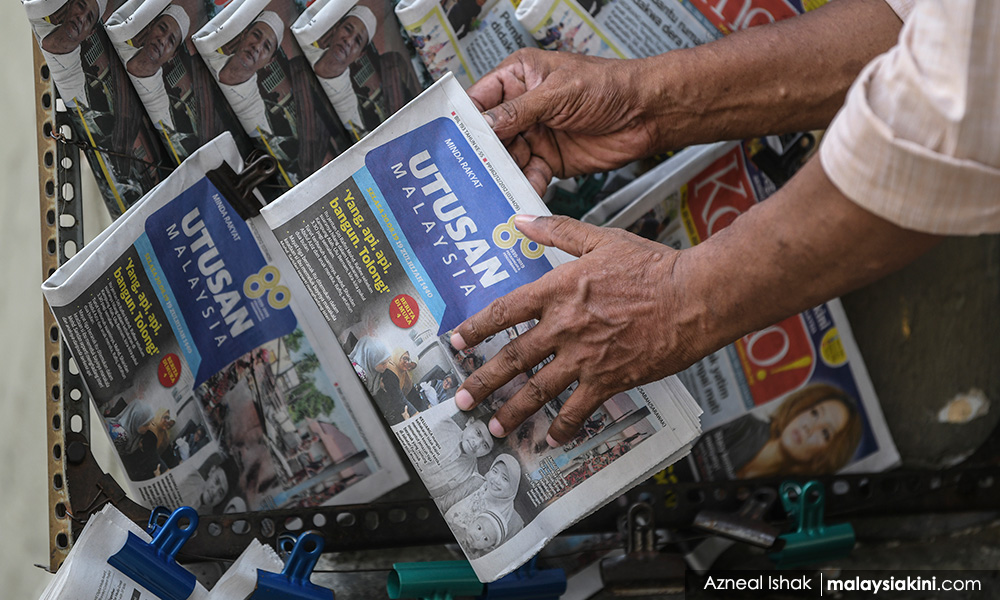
(293, 581)
(812, 541)
(444, 580)
(152, 564)
(528, 583)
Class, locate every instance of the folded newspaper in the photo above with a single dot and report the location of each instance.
(194, 340)
(641, 28)
(88, 573)
(399, 240)
(359, 56)
(105, 113)
(800, 385)
(153, 40)
(464, 37)
(257, 63)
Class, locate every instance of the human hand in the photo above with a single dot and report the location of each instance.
(611, 318)
(563, 114)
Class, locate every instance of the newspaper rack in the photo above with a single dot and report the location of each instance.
(79, 487)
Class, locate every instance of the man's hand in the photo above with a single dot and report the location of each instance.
(608, 317)
(564, 114)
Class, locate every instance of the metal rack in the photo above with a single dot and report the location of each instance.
(79, 486)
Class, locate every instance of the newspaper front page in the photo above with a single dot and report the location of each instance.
(358, 54)
(153, 40)
(253, 56)
(402, 238)
(124, 151)
(194, 342)
(464, 37)
(777, 387)
(615, 28)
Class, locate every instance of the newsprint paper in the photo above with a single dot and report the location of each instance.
(399, 240)
(88, 574)
(765, 387)
(194, 342)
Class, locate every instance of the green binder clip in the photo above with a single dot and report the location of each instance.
(436, 580)
(812, 541)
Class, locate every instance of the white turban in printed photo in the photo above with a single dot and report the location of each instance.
(182, 18)
(272, 19)
(366, 16)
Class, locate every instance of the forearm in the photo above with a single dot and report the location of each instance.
(789, 76)
(804, 245)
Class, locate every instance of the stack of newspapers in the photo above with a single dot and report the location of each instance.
(241, 363)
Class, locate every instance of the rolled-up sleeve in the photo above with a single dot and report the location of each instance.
(917, 141)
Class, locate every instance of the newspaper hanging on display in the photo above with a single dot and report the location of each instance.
(194, 341)
(269, 84)
(799, 385)
(402, 238)
(107, 117)
(153, 40)
(464, 37)
(358, 54)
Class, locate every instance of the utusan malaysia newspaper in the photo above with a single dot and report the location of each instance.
(194, 341)
(400, 239)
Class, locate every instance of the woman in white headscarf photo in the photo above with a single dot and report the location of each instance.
(493, 501)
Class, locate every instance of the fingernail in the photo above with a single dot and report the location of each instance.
(496, 428)
(458, 342)
(489, 119)
(524, 219)
(551, 441)
(463, 399)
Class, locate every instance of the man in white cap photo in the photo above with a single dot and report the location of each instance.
(145, 56)
(236, 72)
(338, 47)
(60, 28)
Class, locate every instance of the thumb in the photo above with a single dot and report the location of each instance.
(518, 114)
(569, 235)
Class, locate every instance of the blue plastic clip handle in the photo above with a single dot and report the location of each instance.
(152, 564)
(293, 582)
(528, 583)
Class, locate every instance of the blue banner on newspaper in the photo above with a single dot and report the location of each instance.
(456, 221)
(230, 300)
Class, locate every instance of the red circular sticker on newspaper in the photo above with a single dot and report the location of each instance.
(169, 371)
(404, 311)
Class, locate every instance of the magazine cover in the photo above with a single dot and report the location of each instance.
(270, 86)
(799, 386)
(402, 238)
(195, 344)
(358, 54)
(125, 154)
(153, 40)
(615, 28)
(638, 28)
(463, 37)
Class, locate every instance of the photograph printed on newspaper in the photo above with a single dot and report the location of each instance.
(359, 56)
(107, 117)
(254, 58)
(398, 241)
(189, 335)
(153, 40)
(464, 37)
(800, 385)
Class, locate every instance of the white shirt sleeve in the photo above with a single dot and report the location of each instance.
(916, 140)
